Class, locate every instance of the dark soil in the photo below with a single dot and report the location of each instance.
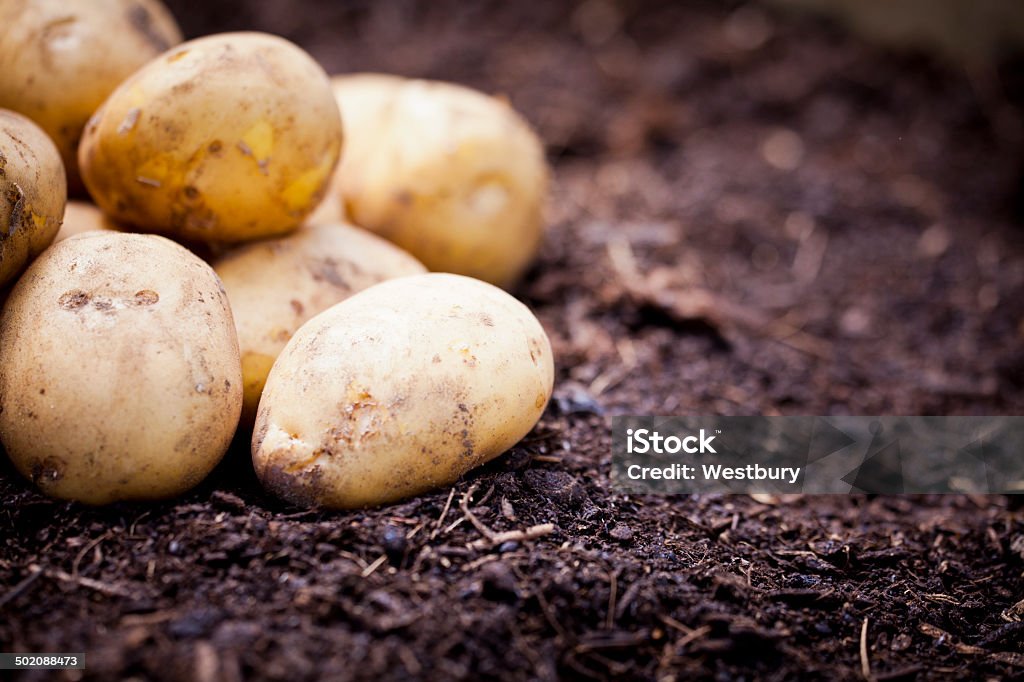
(752, 214)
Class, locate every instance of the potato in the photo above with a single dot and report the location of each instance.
(227, 138)
(59, 59)
(399, 389)
(32, 193)
(81, 216)
(453, 176)
(276, 285)
(119, 370)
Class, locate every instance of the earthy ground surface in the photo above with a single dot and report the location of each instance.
(751, 215)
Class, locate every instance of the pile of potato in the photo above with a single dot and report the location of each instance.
(247, 250)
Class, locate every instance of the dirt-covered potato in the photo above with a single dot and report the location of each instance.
(399, 389)
(119, 369)
(276, 285)
(59, 59)
(227, 138)
(81, 216)
(453, 176)
(33, 192)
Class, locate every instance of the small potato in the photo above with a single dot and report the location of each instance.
(81, 216)
(227, 138)
(119, 369)
(399, 389)
(59, 59)
(32, 193)
(277, 285)
(453, 176)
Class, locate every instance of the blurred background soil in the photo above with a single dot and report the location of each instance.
(754, 212)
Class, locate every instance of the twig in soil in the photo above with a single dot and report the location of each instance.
(97, 585)
(477, 563)
(613, 588)
(491, 538)
(547, 459)
(675, 624)
(21, 587)
(453, 525)
(444, 513)
(959, 647)
(471, 517)
(357, 560)
(131, 529)
(85, 550)
(1015, 613)
(368, 571)
(693, 636)
(1005, 657)
(610, 378)
(865, 664)
(415, 531)
(689, 634)
(617, 670)
(531, 533)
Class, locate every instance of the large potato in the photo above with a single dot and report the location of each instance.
(59, 59)
(399, 389)
(453, 176)
(32, 193)
(119, 369)
(81, 216)
(227, 138)
(277, 285)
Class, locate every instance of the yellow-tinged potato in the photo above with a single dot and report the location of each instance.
(227, 138)
(119, 369)
(32, 192)
(81, 216)
(277, 285)
(399, 389)
(59, 59)
(453, 176)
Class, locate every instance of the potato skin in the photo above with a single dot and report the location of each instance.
(399, 389)
(276, 285)
(81, 216)
(32, 193)
(59, 59)
(453, 176)
(119, 369)
(227, 138)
